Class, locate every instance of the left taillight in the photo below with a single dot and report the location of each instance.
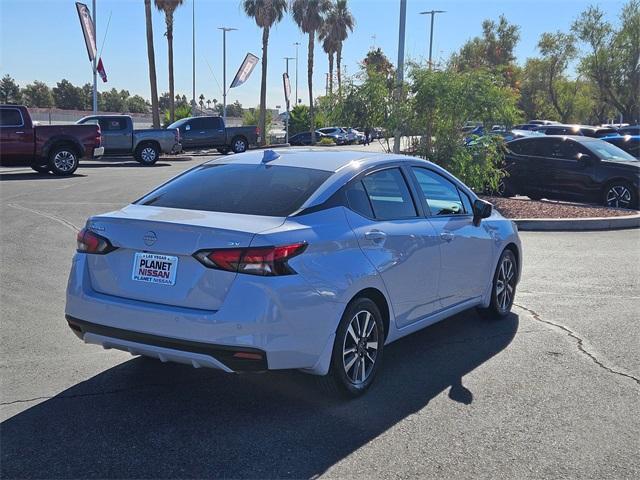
(264, 261)
(98, 140)
(177, 136)
(89, 242)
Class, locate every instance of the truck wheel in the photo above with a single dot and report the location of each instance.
(239, 145)
(40, 168)
(63, 161)
(147, 154)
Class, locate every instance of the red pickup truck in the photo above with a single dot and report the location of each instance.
(54, 148)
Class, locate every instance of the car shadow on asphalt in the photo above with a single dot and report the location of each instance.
(10, 176)
(124, 163)
(152, 420)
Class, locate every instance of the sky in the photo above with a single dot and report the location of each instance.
(42, 40)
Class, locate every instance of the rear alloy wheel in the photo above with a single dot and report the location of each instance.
(503, 289)
(63, 161)
(147, 154)
(619, 195)
(357, 351)
(239, 145)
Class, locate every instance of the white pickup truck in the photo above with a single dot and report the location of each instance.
(120, 138)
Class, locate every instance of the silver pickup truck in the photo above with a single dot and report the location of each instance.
(120, 138)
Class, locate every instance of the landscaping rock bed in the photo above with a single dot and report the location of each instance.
(526, 208)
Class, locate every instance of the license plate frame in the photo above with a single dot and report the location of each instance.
(154, 268)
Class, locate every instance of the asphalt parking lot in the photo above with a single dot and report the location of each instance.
(553, 391)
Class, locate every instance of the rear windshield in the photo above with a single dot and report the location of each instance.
(268, 190)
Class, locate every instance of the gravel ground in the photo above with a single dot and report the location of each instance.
(525, 208)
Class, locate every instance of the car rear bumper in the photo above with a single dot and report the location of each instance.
(281, 318)
(98, 152)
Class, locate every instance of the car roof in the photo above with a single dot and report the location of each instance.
(317, 158)
(577, 138)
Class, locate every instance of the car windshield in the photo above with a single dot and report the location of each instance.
(267, 190)
(178, 123)
(607, 151)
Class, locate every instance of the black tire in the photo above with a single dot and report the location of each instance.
(147, 154)
(40, 168)
(620, 194)
(500, 305)
(504, 189)
(63, 160)
(239, 145)
(223, 151)
(348, 380)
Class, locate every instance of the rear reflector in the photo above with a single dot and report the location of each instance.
(265, 261)
(248, 355)
(89, 242)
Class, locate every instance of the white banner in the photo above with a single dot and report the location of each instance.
(249, 63)
(87, 29)
(287, 88)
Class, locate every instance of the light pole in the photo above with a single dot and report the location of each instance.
(400, 73)
(193, 57)
(432, 13)
(224, 68)
(287, 100)
(297, 44)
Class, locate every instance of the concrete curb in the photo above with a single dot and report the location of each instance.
(577, 224)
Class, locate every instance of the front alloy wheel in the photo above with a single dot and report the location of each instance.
(503, 289)
(619, 196)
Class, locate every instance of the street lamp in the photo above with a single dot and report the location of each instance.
(432, 13)
(224, 68)
(297, 44)
(400, 71)
(287, 100)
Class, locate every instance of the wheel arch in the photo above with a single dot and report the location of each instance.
(239, 136)
(60, 141)
(377, 297)
(145, 142)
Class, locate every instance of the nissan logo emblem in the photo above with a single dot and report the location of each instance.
(150, 238)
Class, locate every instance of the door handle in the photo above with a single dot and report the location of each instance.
(202, 133)
(375, 236)
(447, 236)
(19, 133)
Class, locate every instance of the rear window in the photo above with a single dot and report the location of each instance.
(268, 190)
(10, 117)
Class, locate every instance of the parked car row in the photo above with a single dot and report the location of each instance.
(59, 148)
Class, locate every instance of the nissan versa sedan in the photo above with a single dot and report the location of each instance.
(572, 168)
(291, 259)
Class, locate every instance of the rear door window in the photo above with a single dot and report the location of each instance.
(268, 190)
(389, 195)
(10, 117)
(359, 200)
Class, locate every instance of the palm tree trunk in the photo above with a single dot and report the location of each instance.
(331, 74)
(312, 115)
(152, 66)
(172, 104)
(338, 63)
(263, 88)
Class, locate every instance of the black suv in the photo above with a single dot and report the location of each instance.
(572, 168)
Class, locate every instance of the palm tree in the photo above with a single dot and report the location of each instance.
(208, 104)
(342, 22)
(265, 13)
(310, 16)
(152, 66)
(201, 98)
(168, 7)
(329, 45)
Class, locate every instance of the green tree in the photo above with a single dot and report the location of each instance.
(67, 96)
(557, 50)
(9, 90)
(234, 109)
(613, 58)
(299, 119)
(183, 110)
(87, 96)
(114, 100)
(151, 56)
(37, 94)
(309, 15)
(266, 13)
(251, 116)
(377, 61)
(137, 104)
(169, 7)
(326, 34)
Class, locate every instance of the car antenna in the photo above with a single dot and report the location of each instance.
(270, 156)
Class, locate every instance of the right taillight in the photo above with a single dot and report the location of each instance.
(264, 261)
(89, 242)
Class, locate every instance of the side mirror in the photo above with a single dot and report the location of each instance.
(585, 159)
(481, 209)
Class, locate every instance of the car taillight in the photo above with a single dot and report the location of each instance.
(258, 131)
(265, 261)
(98, 137)
(177, 135)
(89, 242)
